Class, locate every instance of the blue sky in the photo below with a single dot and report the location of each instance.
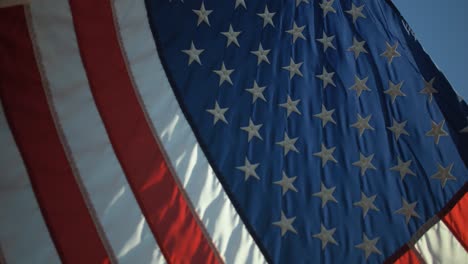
(442, 28)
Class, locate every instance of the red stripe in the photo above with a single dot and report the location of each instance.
(410, 257)
(31, 121)
(457, 221)
(164, 205)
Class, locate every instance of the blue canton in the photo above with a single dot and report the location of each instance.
(332, 131)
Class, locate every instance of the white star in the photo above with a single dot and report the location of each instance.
(298, 2)
(326, 194)
(224, 74)
(285, 224)
(394, 90)
(249, 170)
(326, 77)
(357, 47)
(398, 129)
(326, 155)
(429, 88)
(391, 52)
(252, 129)
(296, 32)
(326, 41)
(257, 92)
(327, 6)
(368, 246)
(356, 12)
(286, 183)
(437, 131)
(407, 210)
(326, 236)
(240, 3)
(360, 85)
(261, 54)
(366, 203)
(362, 124)
(293, 68)
(193, 53)
(231, 36)
(288, 144)
(403, 168)
(218, 113)
(291, 105)
(326, 116)
(267, 17)
(364, 163)
(444, 174)
(202, 14)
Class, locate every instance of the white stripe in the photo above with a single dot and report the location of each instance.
(117, 211)
(439, 245)
(24, 237)
(210, 201)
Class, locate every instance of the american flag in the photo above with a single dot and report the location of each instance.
(235, 131)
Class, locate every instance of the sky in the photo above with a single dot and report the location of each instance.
(442, 29)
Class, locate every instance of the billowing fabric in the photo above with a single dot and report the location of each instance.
(243, 131)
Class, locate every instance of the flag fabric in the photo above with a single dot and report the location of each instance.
(237, 131)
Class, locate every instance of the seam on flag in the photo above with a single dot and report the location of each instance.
(49, 202)
(21, 213)
(456, 223)
(121, 240)
(416, 253)
(177, 221)
(203, 147)
(157, 139)
(175, 134)
(410, 257)
(439, 245)
(62, 139)
(426, 226)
